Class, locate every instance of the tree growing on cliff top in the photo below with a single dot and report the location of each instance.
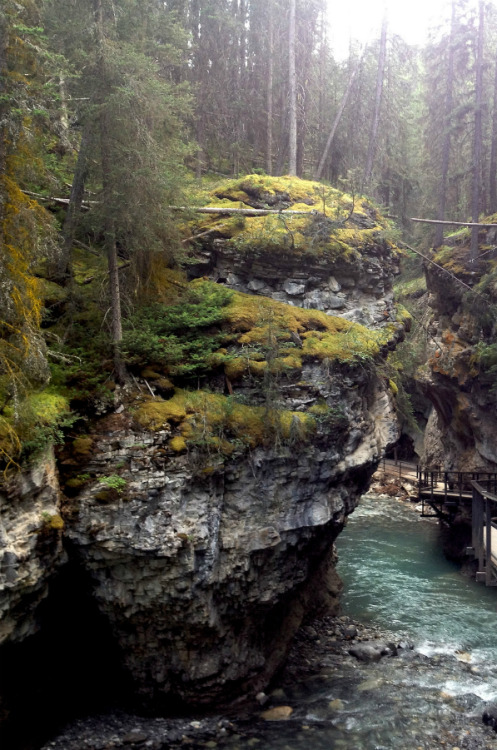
(136, 112)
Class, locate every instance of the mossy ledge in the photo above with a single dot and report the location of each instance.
(337, 225)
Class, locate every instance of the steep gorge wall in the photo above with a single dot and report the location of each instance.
(458, 377)
(204, 520)
(205, 572)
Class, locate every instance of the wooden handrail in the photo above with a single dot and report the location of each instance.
(483, 492)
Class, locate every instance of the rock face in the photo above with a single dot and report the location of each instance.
(204, 518)
(458, 378)
(30, 546)
(205, 572)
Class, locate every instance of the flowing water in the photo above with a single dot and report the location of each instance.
(398, 581)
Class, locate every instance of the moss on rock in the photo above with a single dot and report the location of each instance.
(336, 225)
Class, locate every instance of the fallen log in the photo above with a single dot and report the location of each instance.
(453, 223)
(58, 201)
(242, 211)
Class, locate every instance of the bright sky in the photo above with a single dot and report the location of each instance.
(361, 19)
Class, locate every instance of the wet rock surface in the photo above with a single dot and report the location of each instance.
(320, 700)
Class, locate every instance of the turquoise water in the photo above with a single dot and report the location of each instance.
(398, 582)
(396, 577)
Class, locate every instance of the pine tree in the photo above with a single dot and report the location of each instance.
(135, 110)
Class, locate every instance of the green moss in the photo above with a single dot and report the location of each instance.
(51, 522)
(320, 409)
(82, 446)
(393, 387)
(178, 444)
(403, 316)
(257, 368)
(218, 423)
(235, 367)
(154, 414)
(32, 423)
(330, 228)
(411, 288)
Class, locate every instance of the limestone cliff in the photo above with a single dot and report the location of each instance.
(338, 258)
(459, 377)
(202, 505)
(30, 546)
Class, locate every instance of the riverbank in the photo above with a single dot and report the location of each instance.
(317, 698)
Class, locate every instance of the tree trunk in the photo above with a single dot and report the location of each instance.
(442, 188)
(292, 143)
(373, 136)
(4, 43)
(269, 91)
(107, 198)
(319, 171)
(64, 268)
(493, 152)
(478, 137)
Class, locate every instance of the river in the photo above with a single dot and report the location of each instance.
(397, 580)
(431, 695)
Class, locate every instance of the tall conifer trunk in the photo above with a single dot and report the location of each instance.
(478, 136)
(373, 136)
(64, 267)
(319, 170)
(493, 152)
(269, 90)
(108, 194)
(292, 146)
(449, 94)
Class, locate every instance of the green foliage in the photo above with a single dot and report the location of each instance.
(485, 360)
(114, 482)
(177, 337)
(32, 423)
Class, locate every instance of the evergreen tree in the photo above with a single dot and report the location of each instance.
(135, 110)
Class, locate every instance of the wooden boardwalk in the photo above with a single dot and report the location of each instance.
(443, 493)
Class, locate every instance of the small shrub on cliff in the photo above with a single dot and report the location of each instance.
(114, 482)
(175, 337)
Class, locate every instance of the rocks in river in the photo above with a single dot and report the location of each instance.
(489, 716)
(373, 650)
(350, 631)
(370, 651)
(278, 713)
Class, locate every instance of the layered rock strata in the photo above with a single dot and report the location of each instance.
(203, 518)
(205, 570)
(30, 546)
(340, 261)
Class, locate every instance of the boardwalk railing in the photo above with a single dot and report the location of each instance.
(484, 531)
(443, 491)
